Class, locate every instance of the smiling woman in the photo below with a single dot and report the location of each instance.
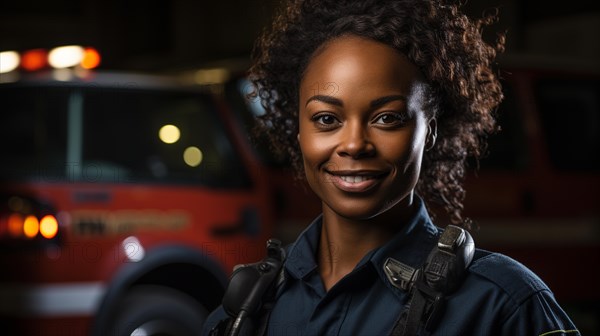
(364, 138)
(362, 146)
(379, 103)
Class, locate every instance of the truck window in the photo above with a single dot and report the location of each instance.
(94, 134)
(33, 132)
(570, 114)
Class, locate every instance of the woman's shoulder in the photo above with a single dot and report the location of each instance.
(501, 296)
(506, 274)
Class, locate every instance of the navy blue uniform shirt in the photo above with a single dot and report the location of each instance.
(498, 297)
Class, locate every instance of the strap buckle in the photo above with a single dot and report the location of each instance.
(400, 275)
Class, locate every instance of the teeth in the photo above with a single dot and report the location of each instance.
(355, 179)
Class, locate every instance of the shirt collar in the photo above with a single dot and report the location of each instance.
(410, 246)
(301, 257)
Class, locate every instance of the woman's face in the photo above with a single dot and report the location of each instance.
(362, 127)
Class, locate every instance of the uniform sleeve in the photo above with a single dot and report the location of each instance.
(539, 315)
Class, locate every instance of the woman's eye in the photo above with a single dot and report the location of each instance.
(325, 119)
(390, 119)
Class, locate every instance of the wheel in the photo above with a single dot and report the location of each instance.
(158, 311)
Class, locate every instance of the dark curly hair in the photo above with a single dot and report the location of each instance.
(444, 44)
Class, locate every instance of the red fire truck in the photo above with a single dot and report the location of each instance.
(125, 201)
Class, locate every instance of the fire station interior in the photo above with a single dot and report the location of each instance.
(131, 182)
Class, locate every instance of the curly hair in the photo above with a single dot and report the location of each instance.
(443, 43)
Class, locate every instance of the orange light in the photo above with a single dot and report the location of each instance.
(91, 58)
(31, 227)
(48, 226)
(35, 59)
(15, 225)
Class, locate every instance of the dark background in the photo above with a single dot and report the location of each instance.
(179, 34)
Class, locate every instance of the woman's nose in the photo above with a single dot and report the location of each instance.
(355, 142)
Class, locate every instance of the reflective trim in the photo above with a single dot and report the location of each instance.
(67, 299)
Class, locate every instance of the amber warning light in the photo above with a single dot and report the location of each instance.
(18, 226)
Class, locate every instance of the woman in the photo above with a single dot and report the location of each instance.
(379, 103)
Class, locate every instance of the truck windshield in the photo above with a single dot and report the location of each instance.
(93, 134)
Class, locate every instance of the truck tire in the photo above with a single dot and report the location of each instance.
(158, 311)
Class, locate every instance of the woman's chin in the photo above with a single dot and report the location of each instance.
(359, 213)
(362, 210)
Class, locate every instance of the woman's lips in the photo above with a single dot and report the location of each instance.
(355, 182)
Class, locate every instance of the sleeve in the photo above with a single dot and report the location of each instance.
(539, 315)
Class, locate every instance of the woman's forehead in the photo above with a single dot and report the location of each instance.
(358, 63)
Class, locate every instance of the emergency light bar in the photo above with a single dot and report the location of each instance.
(57, 58)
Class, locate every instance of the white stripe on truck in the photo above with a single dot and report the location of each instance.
(65, 299)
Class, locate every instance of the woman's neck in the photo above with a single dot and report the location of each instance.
(344, 242)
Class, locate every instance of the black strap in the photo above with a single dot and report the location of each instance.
(410, 323)
(415, 311)
(428, 286)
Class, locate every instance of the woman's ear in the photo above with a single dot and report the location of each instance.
(431, 134)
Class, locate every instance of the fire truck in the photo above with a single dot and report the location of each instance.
(125, 200)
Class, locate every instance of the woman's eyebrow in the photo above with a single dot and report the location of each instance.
(384, 100)
(337, 102)
(326, 99)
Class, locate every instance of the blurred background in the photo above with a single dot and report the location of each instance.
(158, 35)
(130, 184)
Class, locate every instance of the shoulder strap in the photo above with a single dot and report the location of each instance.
(428, 286)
